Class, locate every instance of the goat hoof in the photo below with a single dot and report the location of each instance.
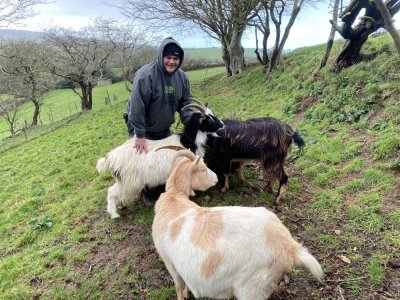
(116, 216)
(224, 189)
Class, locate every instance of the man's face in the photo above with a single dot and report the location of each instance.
(171, 63)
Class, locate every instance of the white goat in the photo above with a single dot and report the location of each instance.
(222, 252)
(133, 172)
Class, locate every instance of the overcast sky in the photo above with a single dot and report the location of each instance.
(311, 27)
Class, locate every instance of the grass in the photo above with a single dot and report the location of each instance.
(59, 243)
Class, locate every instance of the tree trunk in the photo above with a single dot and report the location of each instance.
(388, 23)
(274, 55)
(265, 47)
(357, 36)
(350, 53)
(86, 98)
(296, 9)
(331, 38)
(226, 59)
(236, 52)
(36, 112)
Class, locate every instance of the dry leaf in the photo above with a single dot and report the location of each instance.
(345, 259)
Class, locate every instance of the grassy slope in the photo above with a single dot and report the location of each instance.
(342, 202)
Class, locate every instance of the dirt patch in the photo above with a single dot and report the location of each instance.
(134, 248)
(126, 251)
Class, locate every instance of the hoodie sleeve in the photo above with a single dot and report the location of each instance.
(185, 114)
(139, 100)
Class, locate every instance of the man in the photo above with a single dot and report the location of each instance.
(159, 90)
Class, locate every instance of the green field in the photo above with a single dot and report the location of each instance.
(343, 202)
(64, 103)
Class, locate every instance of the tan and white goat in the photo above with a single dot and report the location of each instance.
(221, 252)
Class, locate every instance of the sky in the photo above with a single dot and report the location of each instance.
(311, 27)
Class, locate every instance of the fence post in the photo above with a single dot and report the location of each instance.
(24, 130)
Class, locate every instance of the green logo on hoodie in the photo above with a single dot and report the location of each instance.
(169, 89)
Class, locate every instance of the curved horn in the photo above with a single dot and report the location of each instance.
(198, 102)
(183, 153)
(199, 107)
(171, 147)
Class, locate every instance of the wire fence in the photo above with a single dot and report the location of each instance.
(49, 115)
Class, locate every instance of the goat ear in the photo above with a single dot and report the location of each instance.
(206, 104)
(202, 118)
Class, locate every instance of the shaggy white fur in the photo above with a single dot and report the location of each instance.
(133, 171)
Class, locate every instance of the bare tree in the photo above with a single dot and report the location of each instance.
(22, 61)
(13, 11)
(331, 37)
(224, 21)
(357, 35)
(79, 56)
(9, 111)
(133, 59)
(273, 11)
(261, 22)
(133, 52)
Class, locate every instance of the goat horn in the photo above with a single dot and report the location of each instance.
(199, 107)
(198, 102)
(183, 153)
(186, 153)
(172, 147)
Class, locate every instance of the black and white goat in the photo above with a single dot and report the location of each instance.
(266, 140)
(133, 171)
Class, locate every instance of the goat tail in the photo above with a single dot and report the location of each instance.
(102, 165)
(298, 140)
(305, 259)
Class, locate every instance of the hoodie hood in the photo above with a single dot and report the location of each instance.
(164, 43)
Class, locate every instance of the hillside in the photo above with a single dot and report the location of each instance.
(343, 200)
(212, 53)
(7, 35)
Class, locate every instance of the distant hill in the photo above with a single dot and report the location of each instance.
(212, 53)
(7, 35)
(215, 53)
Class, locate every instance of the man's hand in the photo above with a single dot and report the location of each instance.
(140, 144)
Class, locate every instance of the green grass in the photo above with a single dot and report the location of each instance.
(57, 241)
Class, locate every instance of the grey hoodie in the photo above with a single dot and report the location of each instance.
(157, 95)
